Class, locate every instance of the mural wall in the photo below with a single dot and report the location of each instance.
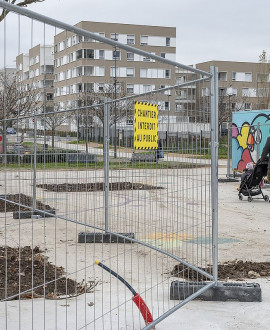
(245, 135)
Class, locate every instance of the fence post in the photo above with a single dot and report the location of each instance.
(35, 164)
(214, 167)
(106, 149)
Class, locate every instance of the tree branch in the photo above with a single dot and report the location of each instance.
(24, 3)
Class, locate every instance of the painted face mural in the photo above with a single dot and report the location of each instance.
(247, 137)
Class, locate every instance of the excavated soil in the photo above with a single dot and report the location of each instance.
(235, 270)
(6, 206)
(30, 265)
(96, 186)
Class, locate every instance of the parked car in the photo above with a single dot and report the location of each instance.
(18, 149)
(10, 130)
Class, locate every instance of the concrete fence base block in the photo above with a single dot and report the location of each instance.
(86, 237)
(244, 292)
(228, 180)
(30, 214)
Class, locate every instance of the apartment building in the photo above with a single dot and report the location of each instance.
(185, 97)
(241, 85)
(35, 70)
(83, 65)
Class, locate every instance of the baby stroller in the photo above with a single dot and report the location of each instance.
(250, 186)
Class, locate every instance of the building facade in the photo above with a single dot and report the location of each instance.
(35, 71)
(242, 85)
(83, 65)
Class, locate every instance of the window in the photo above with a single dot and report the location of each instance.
(68, 42)
(248, 77)
(147, 88)
(222, 92)
(143, 73)
(129, 121)
(85, 53)
(146, 59)
(71, 57)
(89, 87)
(162, 55)
(245, 92)
(180, 80)
(73, 40)
(262, 77)
(130, 39)
(222, 76)
(242, 76)
(130, 56)
(130, 89)
(262, 92)
(167, 105)
(144, 40)
(168, 41)
(114, 72)
(162, 86)
(247, 106)
(79, 54)
(101, 87)
(130, 72)
(68, 74)
(88, 53)
(114, 36)
(167, 73)
(100, 71)
(74, 72)
(61, 45)
(88, 39)
(101, 54)
(116, 54)
(205, 91)
(49, 96)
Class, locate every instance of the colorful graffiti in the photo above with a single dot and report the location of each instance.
(246, 137)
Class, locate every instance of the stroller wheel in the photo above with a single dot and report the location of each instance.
(250, 199)
(266, 198)
(240, 197)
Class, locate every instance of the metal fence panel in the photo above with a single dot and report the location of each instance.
(89, 224)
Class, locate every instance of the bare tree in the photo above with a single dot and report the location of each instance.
(263, 82)
(23, 3)
(55, 119)
(16, 100)
(93, 115)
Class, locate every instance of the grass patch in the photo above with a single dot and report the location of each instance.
(114, 165)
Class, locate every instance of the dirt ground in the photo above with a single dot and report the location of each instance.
(96, 186)
(20, 270)
(21, 199)
(237, 270)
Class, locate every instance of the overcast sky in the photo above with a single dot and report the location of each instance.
(232, 30)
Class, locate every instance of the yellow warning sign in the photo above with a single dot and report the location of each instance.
(145, 126)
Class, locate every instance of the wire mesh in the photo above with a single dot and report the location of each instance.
(77, 197)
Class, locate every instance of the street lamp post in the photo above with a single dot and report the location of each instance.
(230, 94)
(115, 95)
(168, 129)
